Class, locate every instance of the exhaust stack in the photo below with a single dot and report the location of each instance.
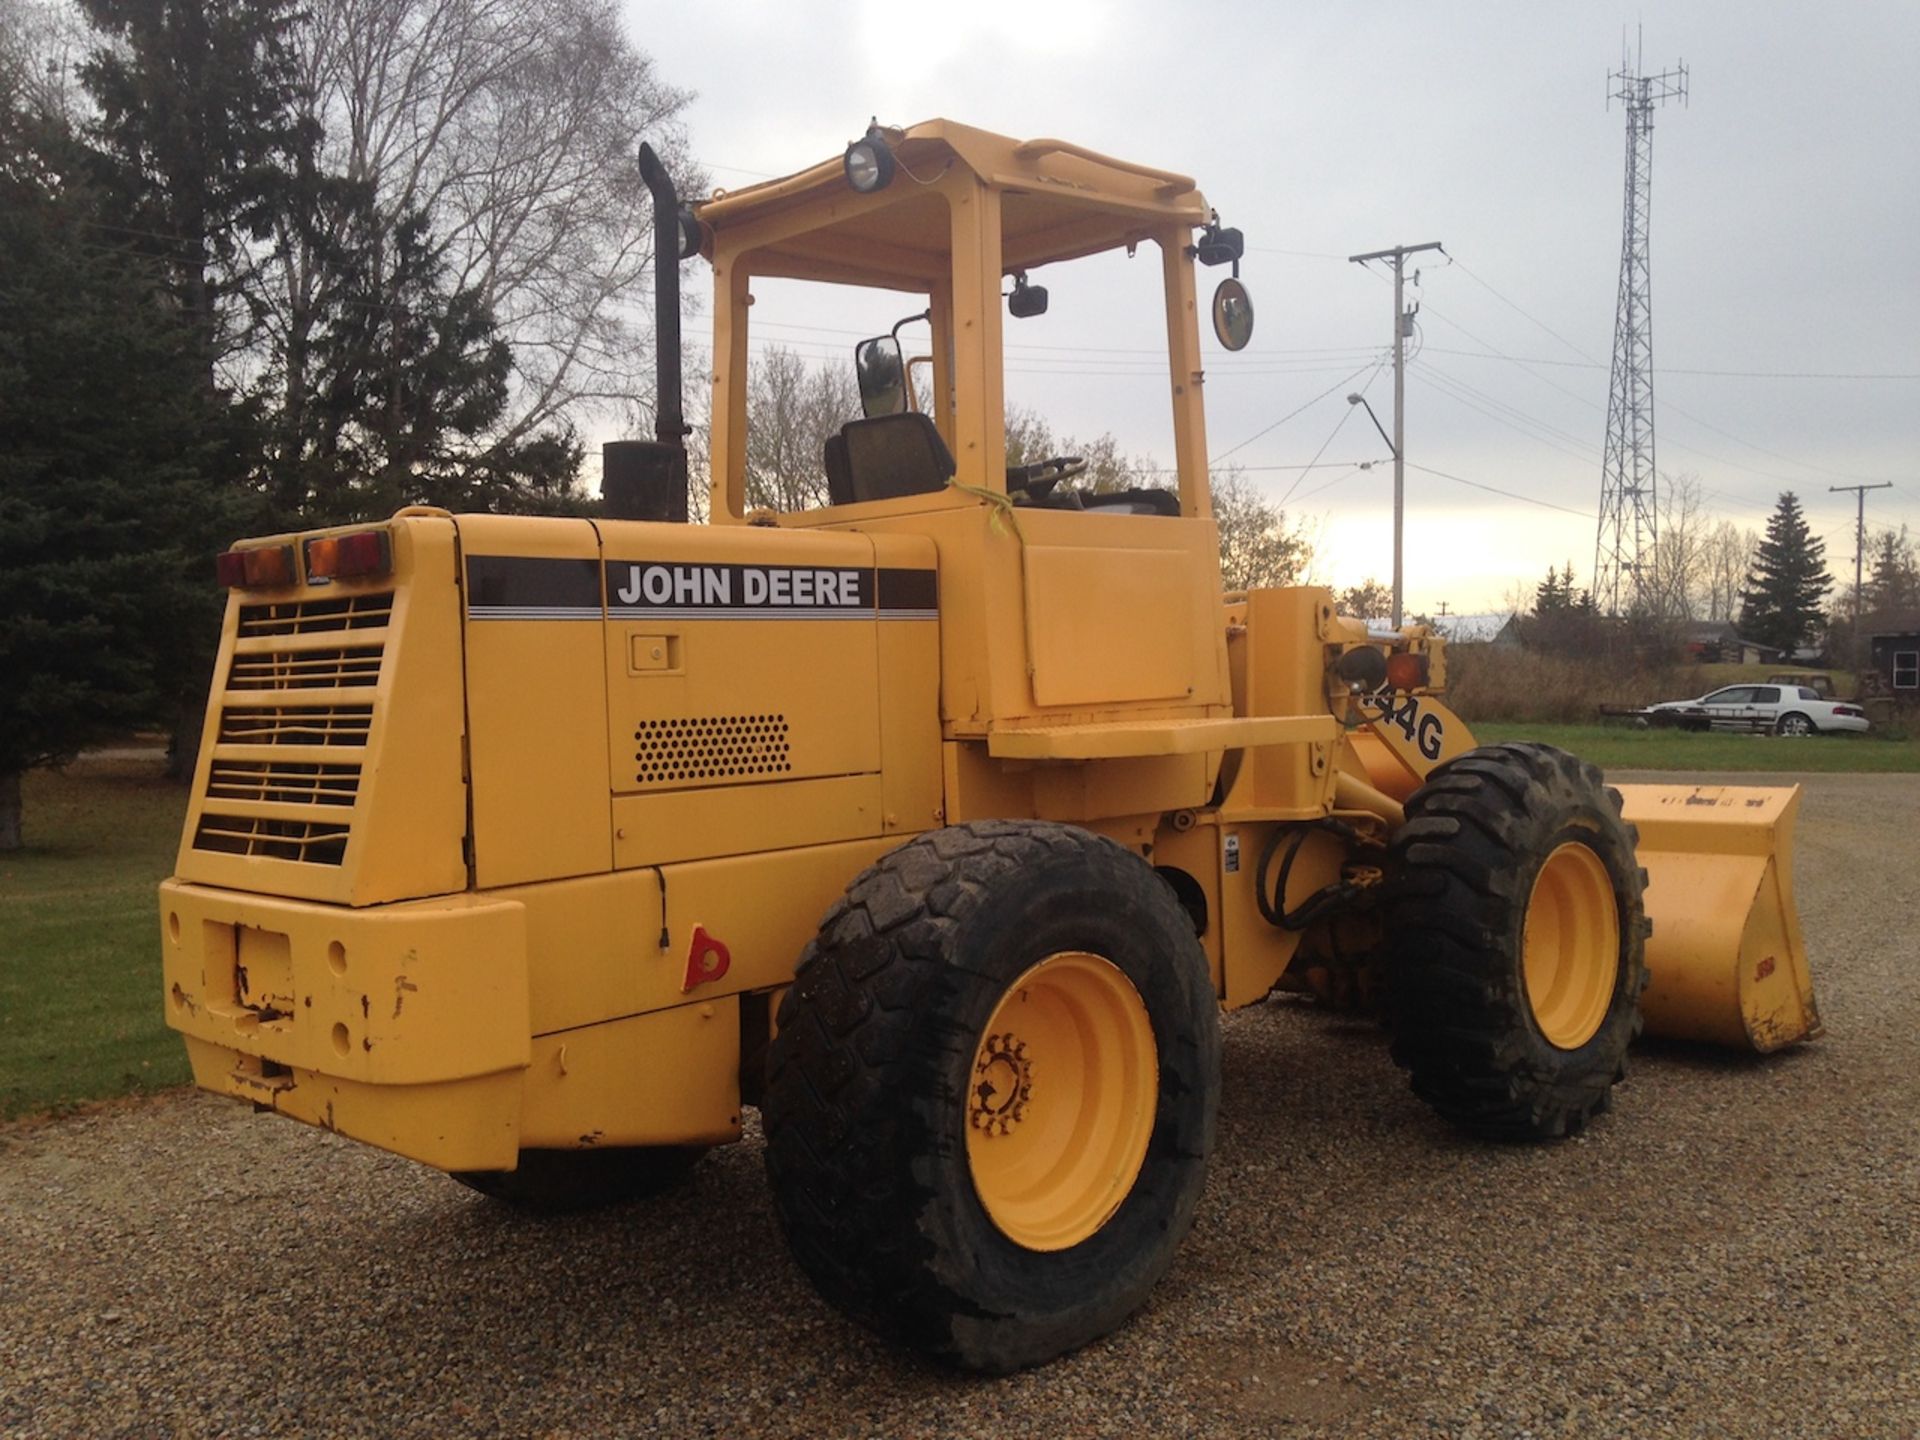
(647, 479)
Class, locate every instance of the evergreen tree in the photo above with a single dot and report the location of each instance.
(106, 519)
(199, 133)
(403, 384)
(1555, 593)
(1894, 583)
(1781, 605)
(1564, 620)
(199, 126)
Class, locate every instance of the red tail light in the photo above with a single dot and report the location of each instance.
(347, 557)
(1853, 711)
(260, 568)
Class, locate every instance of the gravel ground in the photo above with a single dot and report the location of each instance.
(1731, 1253)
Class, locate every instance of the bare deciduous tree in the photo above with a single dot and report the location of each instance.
(1676, 587)
(1727, 552)
(1258, 548)
(792, 407)
(1030, 440)
(41, 47)
(512, 125)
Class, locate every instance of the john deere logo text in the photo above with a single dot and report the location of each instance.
(731, 587)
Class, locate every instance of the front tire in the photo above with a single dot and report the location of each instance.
(992, 1095)
(1516, 941)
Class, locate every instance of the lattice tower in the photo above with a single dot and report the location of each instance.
(1629, 524)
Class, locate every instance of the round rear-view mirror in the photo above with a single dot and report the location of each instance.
(1233, 314)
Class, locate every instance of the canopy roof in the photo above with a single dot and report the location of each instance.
(1058, 201)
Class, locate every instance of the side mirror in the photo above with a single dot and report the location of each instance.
(882, 375)
(1233, 315)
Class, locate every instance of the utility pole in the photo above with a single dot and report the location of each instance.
(1629, 484)
(1402, 327)
(1859, 549)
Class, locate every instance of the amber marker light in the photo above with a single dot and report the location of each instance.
(348, 557)
(1406, 670)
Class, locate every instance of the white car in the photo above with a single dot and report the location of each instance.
(1782, 709)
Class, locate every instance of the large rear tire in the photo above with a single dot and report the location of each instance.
(992, 1094)
(563, 1182)
(1516, 938)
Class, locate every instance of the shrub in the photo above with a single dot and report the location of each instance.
(1498, 682)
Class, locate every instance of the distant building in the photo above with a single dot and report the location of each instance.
(1709, 642)
(1893, 651)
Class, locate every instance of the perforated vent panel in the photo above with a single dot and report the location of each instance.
(711, 747)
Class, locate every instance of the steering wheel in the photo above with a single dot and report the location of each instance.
(1039, 478)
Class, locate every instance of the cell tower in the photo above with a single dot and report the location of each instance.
(1623, 551)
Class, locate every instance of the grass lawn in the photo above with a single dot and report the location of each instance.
(80, 1015)
(1621, 747)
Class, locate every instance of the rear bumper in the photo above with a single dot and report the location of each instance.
(405, 1026)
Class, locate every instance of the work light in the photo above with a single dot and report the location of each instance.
(869, 162)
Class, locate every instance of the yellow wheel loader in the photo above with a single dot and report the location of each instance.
(937, 814)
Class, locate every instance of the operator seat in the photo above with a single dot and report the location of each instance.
(886, 456)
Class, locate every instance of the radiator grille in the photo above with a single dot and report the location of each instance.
(305, 617)
(284, 778)
(305, 669)
(296, 724)
(281, 783)
(711, 747)
(312, 842)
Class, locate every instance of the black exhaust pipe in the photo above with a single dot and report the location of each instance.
(647, 479)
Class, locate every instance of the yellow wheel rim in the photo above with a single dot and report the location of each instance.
(1571, 946)
(1060, 1101)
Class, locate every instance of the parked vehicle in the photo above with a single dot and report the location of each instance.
(1782, 709)
(1820, 684)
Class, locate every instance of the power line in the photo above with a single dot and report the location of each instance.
(1435, 381)
(1740, 465)
(1345, 415)
(1291, 413)
(1524, 314)
(1251, 469)
(1691, 370)
(1496, 490)
(1329, 484)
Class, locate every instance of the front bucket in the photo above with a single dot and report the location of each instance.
(1728, 963)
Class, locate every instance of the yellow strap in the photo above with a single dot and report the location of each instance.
(1000, 505)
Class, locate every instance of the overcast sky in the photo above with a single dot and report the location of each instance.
(1786, 199)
